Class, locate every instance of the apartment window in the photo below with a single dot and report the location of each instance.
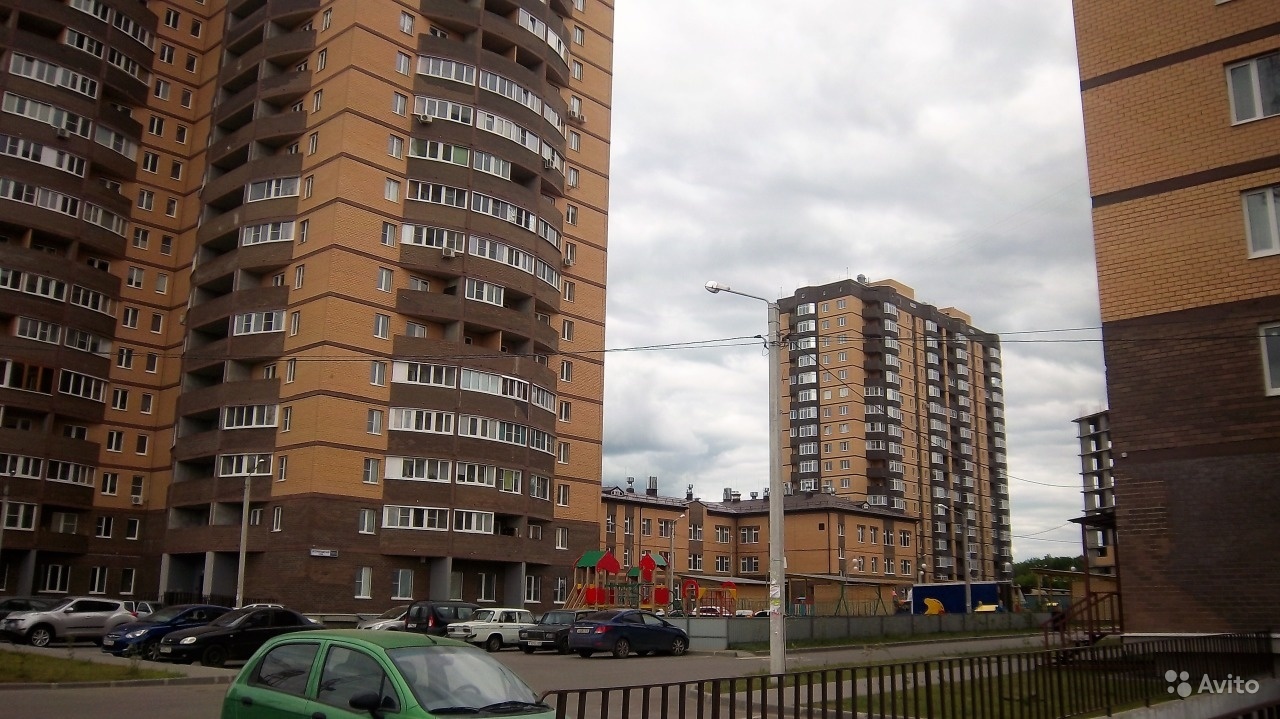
(566, 330)
(322, 59)
(326, 20)
(391, 190)
(562, 495)
(1262, 225)
(404, 63)
(277, 519)
(115, 441)
(399, 103)
(135, 277)
(570, 291)
(308, 185)
(566, 370)
(120, 399)
(175, 170)
(372, 470)
(155, 125)
(364, 582)
(1270, 336)
(295, 322)
(373, 422)
(383, 282)
(196, 28)
(577, 70)
(172, 18)
(299, 276)
(381, 326)
(162, 89)
(750, 565)
(566, 411)
(171, 208)
(562, 452)
(187, 98)
(103, 528)
(162, 283)
(571, 177)
(579, 35)
(571, 214)
(150, 162)
(575, 141)
(368, 521)
(402, 584)
(157, 322)
(286, 419)
(395, 146)
(166, 51)
(153, 363)
(304, 228)
(406, 23)
(317, 100)
(132, 528)
(313, 143)
(180, 134)
(110, 483)
(191, 63)
(562, 538)
(1254, 86)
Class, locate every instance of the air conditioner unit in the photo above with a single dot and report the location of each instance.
(568, 261)
(448, 252)
(577, 117)
(135, 500)
(63, 133)
(425, 119)
(548, 163)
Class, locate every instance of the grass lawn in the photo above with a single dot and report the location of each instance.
(22, 667)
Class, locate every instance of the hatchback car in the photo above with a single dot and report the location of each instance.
(349, 672)
(390, 620)
(69, 619)
(142, 638)
(624, 631)
(8, 605)
(232, 636)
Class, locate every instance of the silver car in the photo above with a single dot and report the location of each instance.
(392, 619)
(70, 619)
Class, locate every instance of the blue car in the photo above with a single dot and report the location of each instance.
(143, 636)
(623, 632)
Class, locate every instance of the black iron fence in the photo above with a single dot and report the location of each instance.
(1030, 685)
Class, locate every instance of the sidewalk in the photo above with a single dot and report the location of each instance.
(191, 673)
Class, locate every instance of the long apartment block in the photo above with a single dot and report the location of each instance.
(319, 284)
(899, 404)
(1182, 124)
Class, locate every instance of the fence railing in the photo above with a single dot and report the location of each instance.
(1064, 682)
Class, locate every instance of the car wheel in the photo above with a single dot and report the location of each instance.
(151, 651)
(40, 635)
(585, 653)
(621, 649)
(562, 646)
(214, 656)
(526, 649)
(493, 643)
(679, 646)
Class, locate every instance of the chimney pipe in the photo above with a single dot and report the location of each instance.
(652, 490)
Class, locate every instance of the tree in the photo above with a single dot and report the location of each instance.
(1024, 577)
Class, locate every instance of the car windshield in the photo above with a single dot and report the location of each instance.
(394, 612)
(62, 604)
(447, 676)
(483, 615)
(559, 617)
(164, 615)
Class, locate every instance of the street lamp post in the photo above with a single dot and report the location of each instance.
(244, 541)
(671, 564)
(777, 577)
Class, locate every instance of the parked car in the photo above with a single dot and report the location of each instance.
(350, 673)
(710, 612)
(392, 620)
(8, 605)
(142, 638)
(623, 631)
(433, 616)
(551, 631)
(69, 619)
(234, 635)
(492, 629)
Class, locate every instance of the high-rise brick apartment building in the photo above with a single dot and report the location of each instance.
(899, 404)
(345, 259)
(1182, 125)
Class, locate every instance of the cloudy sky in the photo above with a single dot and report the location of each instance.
(775, 146)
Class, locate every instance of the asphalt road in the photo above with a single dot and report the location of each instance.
(543, 671)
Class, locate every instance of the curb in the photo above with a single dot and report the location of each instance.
(172, 681)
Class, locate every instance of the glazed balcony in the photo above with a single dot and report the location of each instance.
(261, 257)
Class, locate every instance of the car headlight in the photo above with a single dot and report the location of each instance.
(135, 634)
(188, 640)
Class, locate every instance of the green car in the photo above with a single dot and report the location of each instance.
(350, 673)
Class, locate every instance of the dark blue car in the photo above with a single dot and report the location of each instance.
(623, 632)
(143, 636)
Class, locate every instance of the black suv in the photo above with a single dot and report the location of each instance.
(433, 616)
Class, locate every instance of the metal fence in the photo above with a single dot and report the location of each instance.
(1031, 685)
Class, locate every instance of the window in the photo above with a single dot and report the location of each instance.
(562, 452)
(399, 103)
(566, 411)
(488, 587)
(566, 371)
(132, 528)
(1255, 88)
(115, 441)
(157, 322)
(378, 373)
(381, 326)
(162, 283)
(406, 23)
(313, 143)
(368, 521)
(562, 538)
(395, 146)
(187, 98)
(120, 399)
(571, 177)
(286, 416)
(576, 69)
(171, 18)
(402, 584)
(1270, 336)
(373, 423)
(391, 190)
(103, 527)
(403, 63)
(277, 519)
(372, 470)
(1262, 225)
(110, 483)
(162, 89)
(196, 28)
(384, 279)
(364, 582)
(579, 35)
(566, 331)
(750, 565)
(562, 495)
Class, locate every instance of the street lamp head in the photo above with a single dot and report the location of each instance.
(714, 287)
